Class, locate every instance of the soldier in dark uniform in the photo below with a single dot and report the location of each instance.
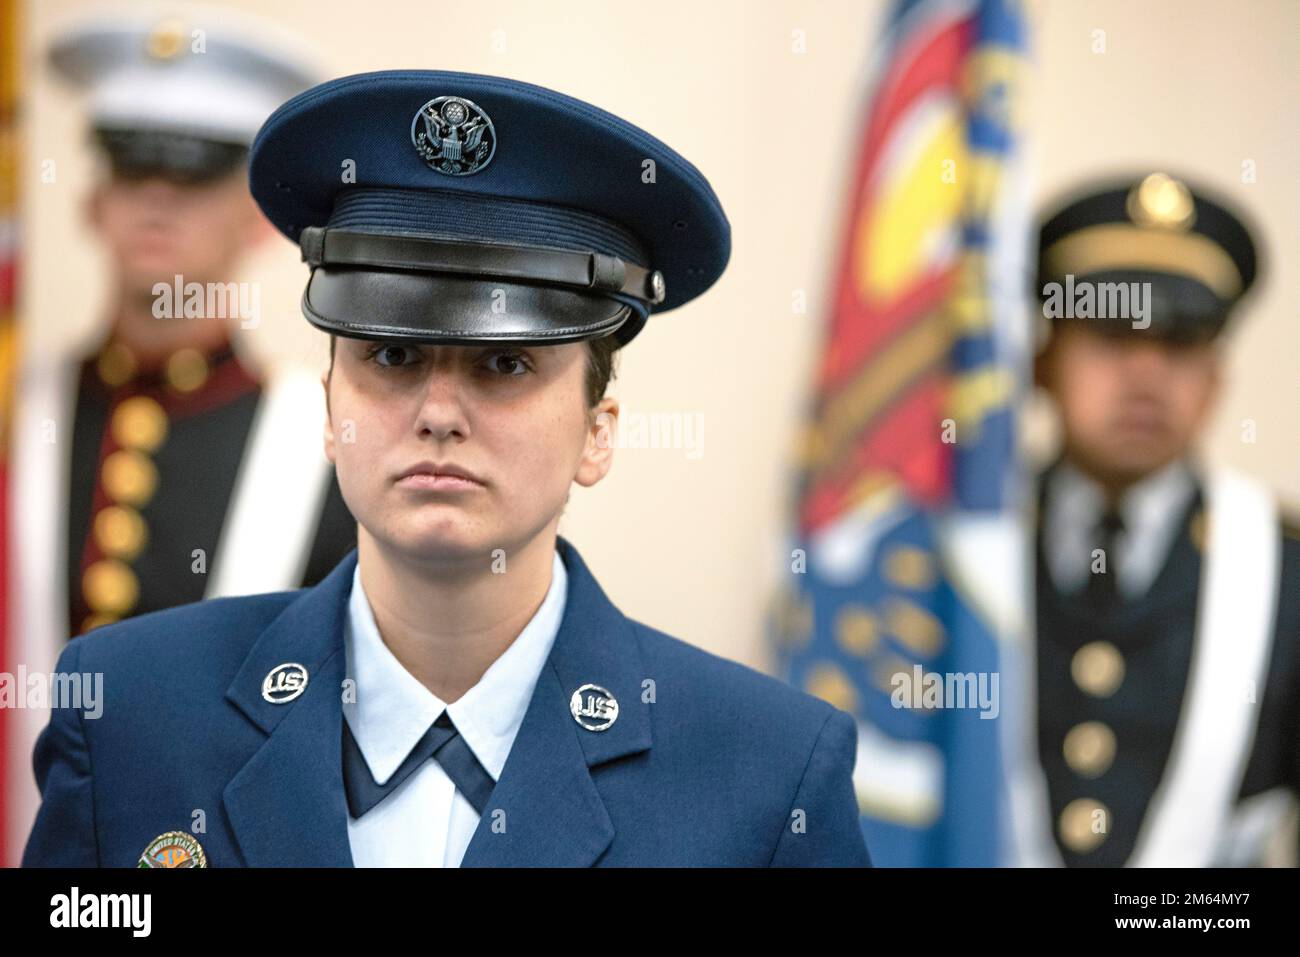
(1167, 592)
(158, 494)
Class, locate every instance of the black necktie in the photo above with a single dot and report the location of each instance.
(1102, 592)
(442, 742)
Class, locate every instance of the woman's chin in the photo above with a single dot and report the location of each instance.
(442, 541)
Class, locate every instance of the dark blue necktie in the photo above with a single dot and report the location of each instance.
(1102, 592)
(442, 742)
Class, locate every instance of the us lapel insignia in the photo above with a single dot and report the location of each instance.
(593, 707)
(284, 682)
(173, 849)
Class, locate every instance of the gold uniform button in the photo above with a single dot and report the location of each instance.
(116, 364)
(139, 423)
(1090, 748)
(128, 477)
(120, 532)
(1098, 668)
(110, 587)
(186, 369)
(1084, 825)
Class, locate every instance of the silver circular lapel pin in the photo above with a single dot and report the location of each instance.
(284, 682)
(593, 707)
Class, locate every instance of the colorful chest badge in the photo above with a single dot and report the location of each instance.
(173, 849)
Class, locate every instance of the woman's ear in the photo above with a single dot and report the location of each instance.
(329, 423)
(598, 455)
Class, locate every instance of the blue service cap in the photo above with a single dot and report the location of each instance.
(458, 208)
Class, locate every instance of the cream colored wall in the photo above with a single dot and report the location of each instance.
(692, 545)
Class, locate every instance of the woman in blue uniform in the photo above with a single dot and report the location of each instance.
(459, 691)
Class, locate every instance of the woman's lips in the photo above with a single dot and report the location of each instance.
(438, 483)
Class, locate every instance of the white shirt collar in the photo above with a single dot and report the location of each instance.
(392, 710)
(1150, 509)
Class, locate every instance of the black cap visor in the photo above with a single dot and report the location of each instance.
(142, 154)
(371, 303)
(1174, 308)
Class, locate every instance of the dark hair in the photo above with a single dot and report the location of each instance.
(600, 366)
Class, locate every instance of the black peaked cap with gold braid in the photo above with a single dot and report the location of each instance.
(1197, 255)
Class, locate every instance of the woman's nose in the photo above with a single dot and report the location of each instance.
(442, 411)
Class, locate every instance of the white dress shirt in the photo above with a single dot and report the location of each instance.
(1150, 509)
(426, 822)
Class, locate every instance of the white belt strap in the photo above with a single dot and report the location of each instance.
(1236, 617)
(276, 502)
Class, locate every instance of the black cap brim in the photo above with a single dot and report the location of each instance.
(142, 153)
(367, 303)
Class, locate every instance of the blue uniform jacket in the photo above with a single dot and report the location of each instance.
(708, 762)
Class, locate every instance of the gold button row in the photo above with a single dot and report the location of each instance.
(130, 479)
(1098, 670)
